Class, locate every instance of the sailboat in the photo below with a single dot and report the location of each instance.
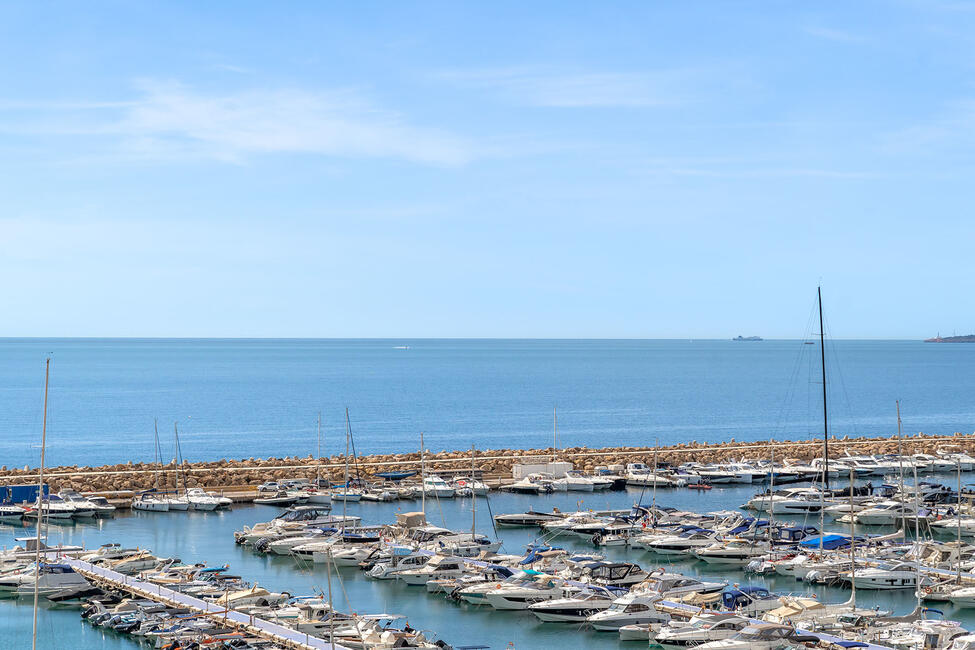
(347, 493)
(318, 495)
(150, 500)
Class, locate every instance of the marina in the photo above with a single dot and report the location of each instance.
(207, 536)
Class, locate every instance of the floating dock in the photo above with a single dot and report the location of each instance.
(257, 627)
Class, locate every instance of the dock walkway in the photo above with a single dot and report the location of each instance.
(258, 627)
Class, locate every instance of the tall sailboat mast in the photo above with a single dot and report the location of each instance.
(474, 500)
(555, 434)
(822, 352)
(155, 429)
(345, 495)
(40, 504)
(423, 477)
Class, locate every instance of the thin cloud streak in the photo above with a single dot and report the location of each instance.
(172, 121)
(547, 87)
(837, 35)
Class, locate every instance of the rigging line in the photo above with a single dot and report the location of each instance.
(779, 427)
(355, 458)
(838, 370)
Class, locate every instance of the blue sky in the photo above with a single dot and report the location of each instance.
(641, 169)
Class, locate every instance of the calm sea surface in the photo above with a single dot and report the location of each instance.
(259, 398)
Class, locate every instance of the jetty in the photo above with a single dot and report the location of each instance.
(250, 625)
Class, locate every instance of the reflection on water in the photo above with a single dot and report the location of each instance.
(208, 537)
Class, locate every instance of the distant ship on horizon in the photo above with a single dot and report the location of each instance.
(966, 338)
(748, 338)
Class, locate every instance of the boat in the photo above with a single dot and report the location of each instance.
(703, 628)
(576, 481)
(435, 486)
(49, 579)
(519, 596)
(762, 636)
(279, 498)
(576, 608)
(634, 608)
(733, 552)
(530, 518)
(903, 575)
(531, 484)
(150, 501)
(10, 512)
(200, 500)
(396, 476)
(439, 567)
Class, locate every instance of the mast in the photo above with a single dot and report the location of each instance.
(555, 434)
(423, 478)
(853, 557)
(917, 539)
(40, 504)
(318, 461)
(653, 498)
(900, 458)
(771, 490)
(345, 496)
(822, 352)
(474, 499)
(179, 459)
(958, 518)
(155, 430)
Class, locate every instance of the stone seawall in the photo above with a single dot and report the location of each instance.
(494, 463)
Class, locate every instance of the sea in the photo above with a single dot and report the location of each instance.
(260, 398)
(234, 398)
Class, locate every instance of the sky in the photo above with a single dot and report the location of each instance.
(502, 169)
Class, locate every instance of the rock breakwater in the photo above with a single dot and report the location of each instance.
(494, 463)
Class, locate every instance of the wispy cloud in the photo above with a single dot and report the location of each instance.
(952, 129)
(226, 67)
(545, 86)
(833, 34)
(168, 119)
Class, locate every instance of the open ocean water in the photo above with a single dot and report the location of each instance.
(258, 398)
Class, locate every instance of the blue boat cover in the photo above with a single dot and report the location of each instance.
(830, 542)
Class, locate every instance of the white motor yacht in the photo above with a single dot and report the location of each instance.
(522, 595)
(200, 500)
(640, 475)
(531, 484)
(700, 629)
(85, 506)
(576, 481)
(900, 576)
(683, 544)
(469, 484)
(54, 508)
(50, 579)
(440, 566)
(634, 608)
(435, 486)
(574, 609)
(11, 512)
(764, 636)
(885, 513)
(733, 552)
(675, 585)
(402, 558)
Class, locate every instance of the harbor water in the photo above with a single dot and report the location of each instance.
(208, 537)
